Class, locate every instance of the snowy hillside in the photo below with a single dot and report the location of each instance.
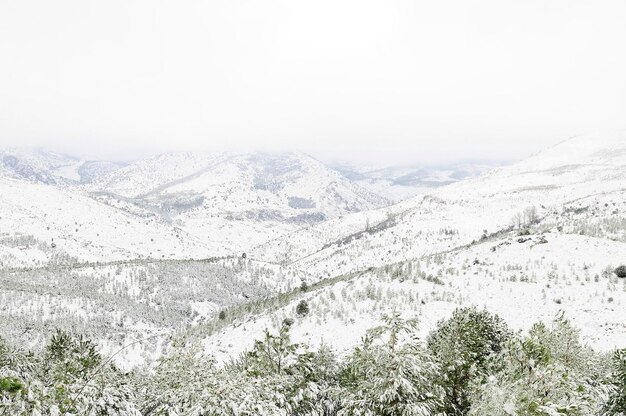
(525, 241)
(46, 167)
(172, 206)
(463, 212)
(256, 183)
(233, 202)
(521, 279)
(61, 222)
(398, 183)
(138, 300)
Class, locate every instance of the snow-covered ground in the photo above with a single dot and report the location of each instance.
(67, 221)
(522, 282)
(398, 183)
(464, 234)
(461, 213)
(525, 241)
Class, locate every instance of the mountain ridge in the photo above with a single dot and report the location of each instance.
(516, 238)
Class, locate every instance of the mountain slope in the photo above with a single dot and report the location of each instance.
(171, 206)
(235, 201)
(460, 213)
(290, 180)
(399, 183)
(68, 223)
(40, 166)
(137, 300)
(526, 241)
(524, 282)
(428, 256)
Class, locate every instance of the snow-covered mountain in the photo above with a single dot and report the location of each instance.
(41, 166)
(211, 205)
(399, 183)
(41, 223)
(289, 184)
(525, 241)
(462, 212)
(235, 201)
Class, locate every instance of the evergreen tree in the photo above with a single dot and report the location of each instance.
(546, 373)
(272, 354)
(305, 378)
(303, 308)
(188, 382)
(68, 378)
(465, 346)
(388, 377)
(616, 405)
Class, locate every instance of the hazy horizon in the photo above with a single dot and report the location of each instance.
(390, 82)
(332, 161)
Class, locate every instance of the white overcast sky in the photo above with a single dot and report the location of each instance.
(379, 80)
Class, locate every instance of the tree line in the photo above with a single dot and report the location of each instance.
(470, 364)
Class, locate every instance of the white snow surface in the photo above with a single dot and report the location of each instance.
(425, 256)
(577, 187)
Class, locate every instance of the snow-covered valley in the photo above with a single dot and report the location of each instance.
(293, 220)
(217, 249)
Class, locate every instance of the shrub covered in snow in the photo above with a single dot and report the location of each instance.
(303, 308)
(67, 378)
(473, 366)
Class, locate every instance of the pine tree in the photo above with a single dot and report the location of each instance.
(188, 382)
(387, 377)
(69, 377)
(303, 308)
(272, 354)
(465, 346)
(547, 373)
(616, 404)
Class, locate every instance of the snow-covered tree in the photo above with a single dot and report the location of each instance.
(465, 346)
(616, 405)
(547, 373)
(272, 354)
(187, 382)
(68, 378)
(391, 376)
(307, 379)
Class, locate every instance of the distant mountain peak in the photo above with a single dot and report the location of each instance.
(52, 168)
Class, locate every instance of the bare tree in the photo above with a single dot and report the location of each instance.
(530, 215)
(525, 218)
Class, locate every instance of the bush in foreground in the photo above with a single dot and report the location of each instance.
(472, 365)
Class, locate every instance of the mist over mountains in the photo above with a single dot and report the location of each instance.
(292, 211)
(228, 202)
(218, 248)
